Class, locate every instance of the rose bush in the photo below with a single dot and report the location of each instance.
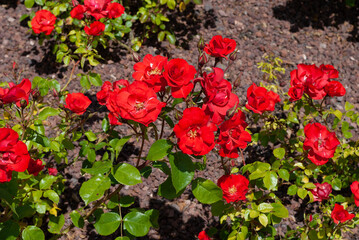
(177, 114)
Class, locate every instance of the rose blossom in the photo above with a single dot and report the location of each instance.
(234, 187)
(150, 71)
(261, 100)
(44, 21)
(108, 87)
(97, 8)
(339, 214)
(320, 142)
(195, 133)
(178, 74)
(334, 88)
(77, 103)
(354, 187)
(233, 136)
(296, 93)
(52, 171)
(220, 47)
(136, 102)
(13, 154)
(321, 192)
(96, 28)
(35, 166)
(219, 95)
(329, 70)
(16, 93)
(203, 236)
(78, 12)
(115, 10)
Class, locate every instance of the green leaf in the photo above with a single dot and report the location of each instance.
(52, 195)
(94, 188)
(137, 223)
(348, 106)
(47, 181)
(167, 190)
(198, 2)
(302, 193)
(105, 124)
(284, 174)
(350, 3)
(122, 238)
(159, 149)
(29, 3)
(47, 112)
(98, 168)
(153, 214)
(33, 233)
(56, 223)
(270, 180)
(279, 153)
(182, 170)
(206, 191)
(337, 184)
(171, 4)
(91, 136)
(279, 210)
(127, 174)
(160, 36)
(108, 223)
(85, 83)
(9, 230)
(171, 38)
(263, 219)
(95, 79)
(126, 201)
(77, 219)
(309, 185)
(292, 190)
(265, 207)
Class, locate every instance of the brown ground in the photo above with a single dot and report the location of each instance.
(299, 31)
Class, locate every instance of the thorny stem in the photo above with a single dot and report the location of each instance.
(142, 144)
(71, 74)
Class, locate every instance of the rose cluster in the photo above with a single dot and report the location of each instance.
(315, 82)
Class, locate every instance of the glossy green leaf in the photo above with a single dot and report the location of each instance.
(99, 167)
(91, 136)
(265, 207)
(279, 153)
(270, 180)
(302, 193)
(95, 79)
(159, 149)
(52, 195)
(263, 219)
(127, 174)
(292, 190)
(108, 223)
(206, 191)
(171, 4)
(77, 219)
(136, 223)
(47, 112)
(284, 174)
(167, 190)
(33, 233)
(29, 3)
(47, 181)
(56, 223)
(279, 210)
(94, 188)
(182, 170)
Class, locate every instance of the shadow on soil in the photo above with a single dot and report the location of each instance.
(319, 14)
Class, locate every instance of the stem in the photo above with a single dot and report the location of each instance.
(226, 170)
(72, 73)
(142, 144)
(162, 128)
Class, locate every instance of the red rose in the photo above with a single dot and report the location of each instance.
(311, 78)
(77, 103)
(355, 190)
(52, 171)
(136, 102)
(296, 93)
(178, 74)
(195, 132)
(233, 136)
(334, 88)
(339, 214)
(320, 142)
(35, 166)
(96, 28)
(261, 100)
(219, 95)
(203, 236)
(107, 88)
(150, 71)
(13, 154)
(330, 71)
(78, 12)
(115, 10)
(16, 93)
(234, 187)
(321, 192)
(44, 21)
(97, 8)
(113, 118)
(220, 47)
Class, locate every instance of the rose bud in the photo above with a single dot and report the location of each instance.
(237, 82)
(233, 55)
(201, 44)
(203, 59)
(321, 192)
(52, 171)
(36, 94)
(136, 57)
(23, 103)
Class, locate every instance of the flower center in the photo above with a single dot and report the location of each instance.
(155, 71)
(232, 190)
(192, 133)
(139, 106)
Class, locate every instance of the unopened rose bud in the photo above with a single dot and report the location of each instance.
(231, 112)
(233, 55)
(203, 59)
(36, 94)
(237, 82)
(136, 57)
(55, 94)
(310, 217)
(14, 65)
(201, 44)
(23, 103)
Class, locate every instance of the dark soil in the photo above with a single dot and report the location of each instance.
(298, 31)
